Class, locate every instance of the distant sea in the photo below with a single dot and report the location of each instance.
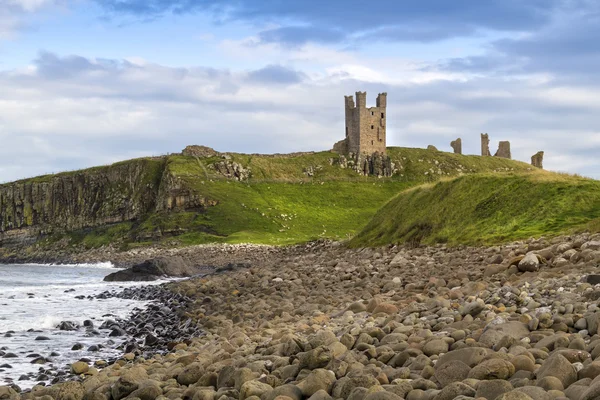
(35, 298)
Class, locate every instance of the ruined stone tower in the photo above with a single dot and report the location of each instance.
(365, 127)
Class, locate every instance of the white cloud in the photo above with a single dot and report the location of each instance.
(72, 112)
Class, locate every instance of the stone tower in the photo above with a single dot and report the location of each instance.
(365, 127)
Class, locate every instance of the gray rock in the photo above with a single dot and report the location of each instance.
(455, 389)
(492, 389)
(558, 366)
(529, 263)
(451, 371)
(470, 356)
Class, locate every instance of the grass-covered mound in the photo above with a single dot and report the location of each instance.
(283, 199)
(485, 209)
(281, 204)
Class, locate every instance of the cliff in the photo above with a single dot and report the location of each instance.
(77, 200)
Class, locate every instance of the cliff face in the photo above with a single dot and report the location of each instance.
(70, 201)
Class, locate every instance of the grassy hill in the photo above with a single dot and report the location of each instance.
(485, 209)
(287, 199)
(280, 204)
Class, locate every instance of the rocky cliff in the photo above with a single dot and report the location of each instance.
(76, 200)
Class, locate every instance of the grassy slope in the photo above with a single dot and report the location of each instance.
(281, 205)
(484, 209)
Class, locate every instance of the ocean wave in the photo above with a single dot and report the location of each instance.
(103, 265)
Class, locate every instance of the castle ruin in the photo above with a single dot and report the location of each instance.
(456, 146)
(537, 159)
(365, 127)
(503, 150)
(485, 145)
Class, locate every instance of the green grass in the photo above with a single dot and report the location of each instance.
(486, 209)
(280, 204)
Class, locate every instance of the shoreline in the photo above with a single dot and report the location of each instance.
(429, 323)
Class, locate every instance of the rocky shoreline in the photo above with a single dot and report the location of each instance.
(202, 256)
(518, 321)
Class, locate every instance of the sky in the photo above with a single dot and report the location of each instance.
(91, 82)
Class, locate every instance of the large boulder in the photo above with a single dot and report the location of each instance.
(558, 366)
(494, 332)
(154, 269)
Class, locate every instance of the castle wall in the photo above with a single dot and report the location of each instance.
(372, 130)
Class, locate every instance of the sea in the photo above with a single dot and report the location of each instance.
(35, 299)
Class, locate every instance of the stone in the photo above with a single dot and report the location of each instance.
(471, 356)
(8, 393)
(385, 395)
(537, 160)
(492, 389)
(523, 363)
(385, 308)
(190, 374)
(558, 366)
(456, 146)
(128, 382)
(70, 391)
(254, 388)
(154, 269)
(320, 395)
(514, 395)
(226, 377)
(534, 392)
(290, 391)
(148, 391)
(451, 371)
(592, 392)
(473, 308)
(503, 150)
(494, 333)
(529, 263)
(550, 383)
(485, 145)
(435, 347)
(492, 369)
(318, 379)
(79, 367)
(454, 390)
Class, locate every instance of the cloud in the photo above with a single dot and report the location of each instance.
(67, 112)
(337, 20)
(565, 49)
(13, 14)
(276, 74)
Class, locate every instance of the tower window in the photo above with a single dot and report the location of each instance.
(346, 131)
(372, 126)
(372, 113)
(372, 143)
(382, 115)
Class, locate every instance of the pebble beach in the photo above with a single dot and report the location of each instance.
(321, 321)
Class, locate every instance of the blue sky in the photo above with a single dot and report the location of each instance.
(89, 82)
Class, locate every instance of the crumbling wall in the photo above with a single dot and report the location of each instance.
(341, 147)
(537, 159)
(457, 146)
(503, 150)
(485, 145)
